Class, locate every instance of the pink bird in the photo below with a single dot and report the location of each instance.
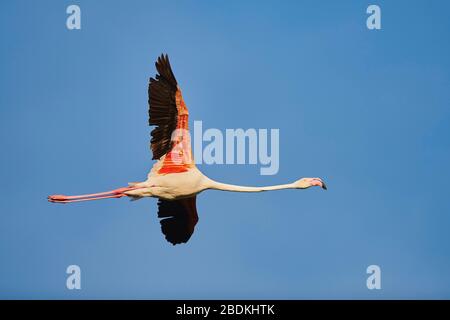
(174, 179)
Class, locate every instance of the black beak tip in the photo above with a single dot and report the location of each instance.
(324, 186)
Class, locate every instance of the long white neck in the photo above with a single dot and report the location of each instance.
(231, 187)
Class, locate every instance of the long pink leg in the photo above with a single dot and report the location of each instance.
(117, 193)
(87, 199)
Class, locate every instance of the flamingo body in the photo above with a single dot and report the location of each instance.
(171, 186)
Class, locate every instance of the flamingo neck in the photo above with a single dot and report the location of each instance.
(214, 185)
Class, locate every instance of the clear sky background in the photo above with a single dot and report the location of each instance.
(366, 110)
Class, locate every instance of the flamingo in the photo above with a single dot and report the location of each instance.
(174, 179)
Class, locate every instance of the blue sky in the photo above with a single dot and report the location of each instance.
(366, 110)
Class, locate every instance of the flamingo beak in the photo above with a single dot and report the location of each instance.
(324, 186)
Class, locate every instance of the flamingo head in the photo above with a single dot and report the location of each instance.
(306, 183)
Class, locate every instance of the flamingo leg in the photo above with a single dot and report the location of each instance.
(117, 193)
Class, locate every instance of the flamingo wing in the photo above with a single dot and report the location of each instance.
(179, 218)
(169, 114)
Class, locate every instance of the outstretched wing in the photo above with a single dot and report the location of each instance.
(167, 110)
(179, 219)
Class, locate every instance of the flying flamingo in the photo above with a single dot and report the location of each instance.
(174, 179)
